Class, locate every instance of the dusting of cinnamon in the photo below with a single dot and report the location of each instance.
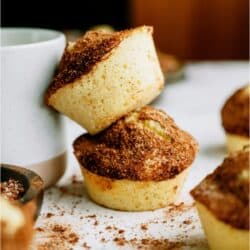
(59, 237)
(134, 151)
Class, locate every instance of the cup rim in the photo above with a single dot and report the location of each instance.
(58, 36)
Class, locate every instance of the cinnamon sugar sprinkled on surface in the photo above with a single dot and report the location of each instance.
(58, 237)
(155, 244)
(120, 241)
(91, 216)
(178, 208)
(11, 189)
(49, 215)
(108, 233)
(103, 240)
(144, 227)
(187, 222)
(39, 229)
(75, 179)
(131, 150)
(85, 246)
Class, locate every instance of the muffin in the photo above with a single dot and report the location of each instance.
(172, 67)
(235, 119)
(222, 200)
(138, 163)
(16, 225)
(104, 75)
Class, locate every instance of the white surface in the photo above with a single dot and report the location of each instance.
(194, 103)
(28, 128)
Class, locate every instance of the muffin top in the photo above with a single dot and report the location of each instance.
(235, 112)
(225, 192)
(82, 55)
(144, 145)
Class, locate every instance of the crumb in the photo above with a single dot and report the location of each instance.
(144, 227)
(49, 215)
(108, 228)
(120, 241)
(39, 229)
(91, 216)
(86, 246)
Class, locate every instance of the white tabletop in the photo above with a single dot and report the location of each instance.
(195, 104)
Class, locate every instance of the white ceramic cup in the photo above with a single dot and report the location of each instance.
(32, 135)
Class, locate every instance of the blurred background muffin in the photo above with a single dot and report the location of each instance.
(16, 224)
(235, 119)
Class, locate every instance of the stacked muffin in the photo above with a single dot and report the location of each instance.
(134, 157)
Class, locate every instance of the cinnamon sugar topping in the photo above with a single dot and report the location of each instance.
(81, 56)
(144, 145)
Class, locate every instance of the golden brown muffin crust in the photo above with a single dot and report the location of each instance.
(235, 112)
(80, 57)
(133, 149)
(225, 192)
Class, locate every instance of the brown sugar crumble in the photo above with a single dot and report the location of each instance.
(11, 189)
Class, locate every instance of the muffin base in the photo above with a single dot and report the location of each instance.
(221, 236)
(236, 142)
(129, 195)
